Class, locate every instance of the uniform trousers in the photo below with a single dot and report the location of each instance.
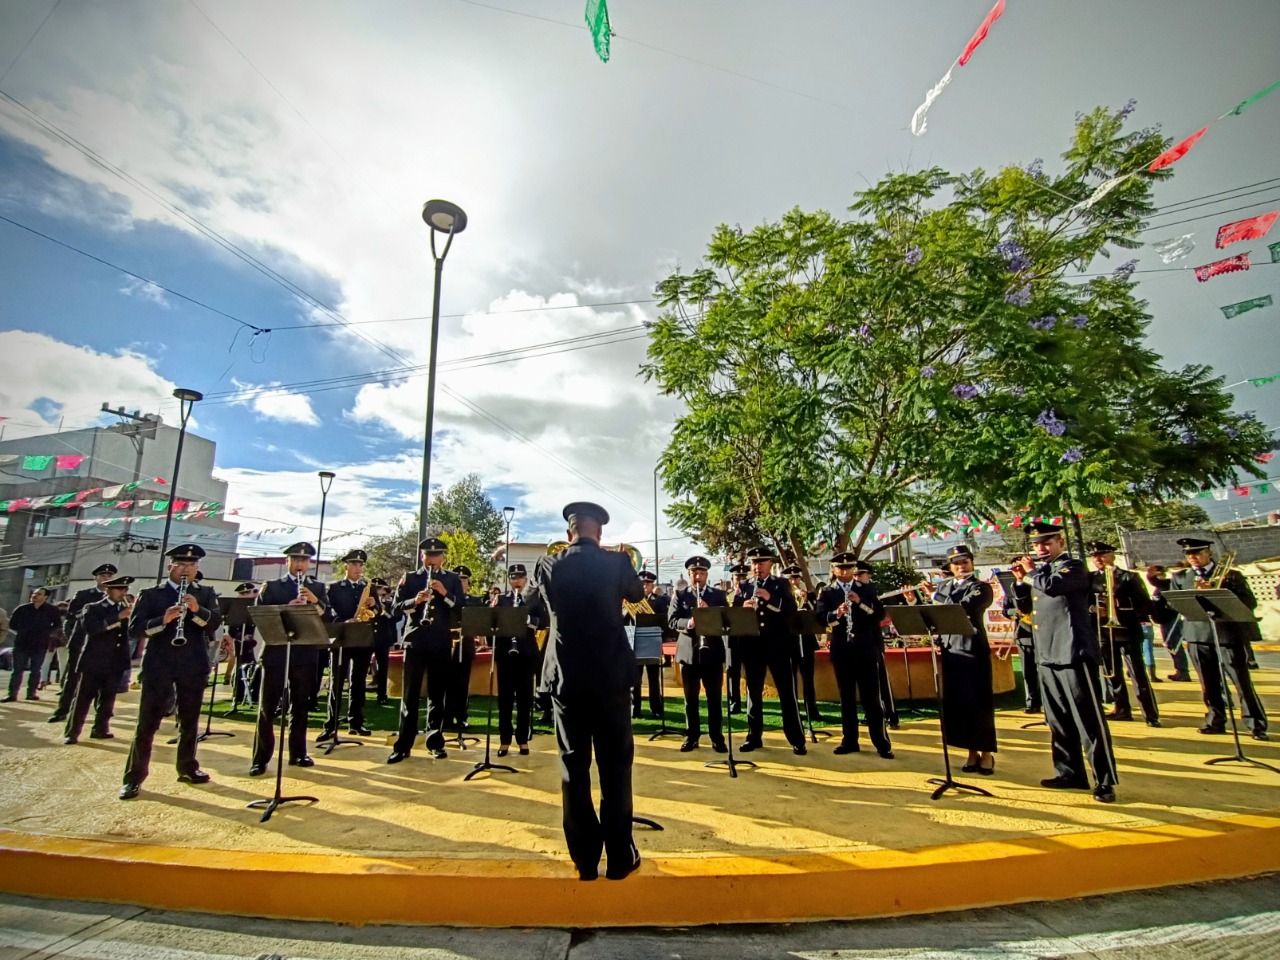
(1210, 670)
(28, 658)
(804, 668)
(653, 670)
(1073, 710)
(69, 676)
(302, 677)
(247, 679)
(436, 667)
(734, 672)
(99, 685)
(353, 664)
(515, 687)
(858, 678)
(776, 658)
(382, 662)
(1129, 655)
(160, 688)
(458, 694)
(708, 677)
(1030, 675)
(601, 721)
(887, 705)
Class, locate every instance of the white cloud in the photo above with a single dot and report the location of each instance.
(145, 290)
(275, 403)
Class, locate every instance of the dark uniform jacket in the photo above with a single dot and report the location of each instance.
(525, 645)
(107, 645)
(1131, 603)
(161, 657)
(866, 637)
(1202, 631)
(34, 625)
(430, 624)
(975, 596)
(1016, 607)
(581, 590)
(1062, 632)
(283, 591)
(343, 597)
(775, 616)
(74, 624)
(682, 611)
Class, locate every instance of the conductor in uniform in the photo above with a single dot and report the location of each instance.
(295, 588)
(588, 671)
(104, 655)
(75, 639)
(1068, 657)
(427, 597)
(701, 659)
(346, 598)
(173, 618)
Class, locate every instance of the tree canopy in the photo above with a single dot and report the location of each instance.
(950, 346)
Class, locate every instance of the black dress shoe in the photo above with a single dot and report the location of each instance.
(360, 730)
(15, 700)
(68, 741)
(101, 735)
(1209, 728)
(56, 718)
(257, 770)
(1064, 783)
(524, 750)
(894, 724)
(1033, 709)
(397, 756)
(1120, 715)
(1153, 723)
(130, 791)
(1104, 794)
(301, 762)
(326, 735)
(1180, 677)
(719, 746)
(1259, 735)
(969, 768)
(799, 749)
(987, 771)
(504, 749)
(437, 753)
(847, 748)
(383, 702)
(588, 873)
(886, 753)
(612, 874)
(688, 745)
(195, 776)
(750, 745)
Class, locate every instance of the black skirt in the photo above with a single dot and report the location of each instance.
(968, 701)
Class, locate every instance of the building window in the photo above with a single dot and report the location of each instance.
(39, 525)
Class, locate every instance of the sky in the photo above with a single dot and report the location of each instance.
(176, 178)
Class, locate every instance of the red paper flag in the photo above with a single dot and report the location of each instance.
(68, 461)
(1254, 228)
(1242, 491)
(160, 480)
(1176, 153)
(1057, 521)
(1229, 265)
(1265, 457)
(981, 33)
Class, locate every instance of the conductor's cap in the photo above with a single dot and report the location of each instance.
(1044, 531)
(584, 508)
(186, 551)
(432, 545)
(697, 563)
(105, 568)
(1192, 544)
(118, 582)
(300, 549)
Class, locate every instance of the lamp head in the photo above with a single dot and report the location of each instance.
(444, 216)
(188, 396)
(508, 513)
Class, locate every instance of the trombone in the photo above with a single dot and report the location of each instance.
(1110, 625)
(1220, 572)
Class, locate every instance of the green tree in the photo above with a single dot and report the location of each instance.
(465, 506)
(393, 554)
(943, 350)
(464, 551)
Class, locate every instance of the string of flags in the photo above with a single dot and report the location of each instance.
(79, 498)
(919, 120)
(1244, 306)
(143, 518)
(39, 462)
(156, 506)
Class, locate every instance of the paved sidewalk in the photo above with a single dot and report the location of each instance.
(1221, 921)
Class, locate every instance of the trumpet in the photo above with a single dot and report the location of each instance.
(180, 634)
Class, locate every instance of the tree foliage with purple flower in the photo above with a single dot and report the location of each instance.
(799, 427)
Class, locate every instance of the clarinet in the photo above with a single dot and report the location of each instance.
(848, 613)
(180, 635)
(698, 595)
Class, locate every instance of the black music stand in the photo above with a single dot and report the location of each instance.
(286, 624)
(245, 674)
(647, 657)
(804, 623)
(1214, 607)
(726, 622)
(491, 623)
(233, 615)
(356, 636)
(936, 619)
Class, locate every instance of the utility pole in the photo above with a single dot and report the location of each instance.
(139, 428)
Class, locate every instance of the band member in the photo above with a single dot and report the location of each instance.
(295, 588)
(967, 697)
(701, 659)
(659, 603)
(1126, 605)
(516, 666)
(588, 672)
(352, 601)
(173, 618)
(247, 678)
(33, 624)
(462, 658)
(1067, 656)
(853, 613)
(74, 629)
(1017, 607)
(386, 630)
(733, 670)
(1198, 637)
(771, 598)
(806, 643)
(104, 654)
(1170, 631)
(427, 597)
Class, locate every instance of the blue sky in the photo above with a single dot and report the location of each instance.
(308, 135)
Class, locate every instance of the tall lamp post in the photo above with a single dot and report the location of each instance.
(507, 514)
(449, 219)
(186, 400)
(326, 481)
(656, 468)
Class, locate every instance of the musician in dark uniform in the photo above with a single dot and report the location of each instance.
(771, 598)
(74, 629)
(295, 588)
(853, 614)
(244, 638)
(386, 630)
(967, 697)
(173, 618)
(806, 643)
(1170, 631)
(104, 654)
(347, 598)
(516, 664)
(462, 658)
(1129, 606)
(701, 659)
(587, 672)
(1068, 657)
(660, 603)
(733, 670)
(427, 597)
(1198, 638)
(1017, 607)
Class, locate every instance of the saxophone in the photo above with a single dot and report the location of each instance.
(365, 614)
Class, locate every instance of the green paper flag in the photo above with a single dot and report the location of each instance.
(62, 499)
(1245, 104)
(1203, 495)
(1263, 381)
(34, 462)
(159, 506)
(1262, 488)
(598, 24)
(1244, 306)
(1275, 252)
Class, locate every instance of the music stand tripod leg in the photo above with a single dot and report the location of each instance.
(276, 801)
(462, 738)
(662, 699)
(945, 783)
(486, 763)
(208, 719)
(337, 683)
(731, 763)
(906, 668)
(1231, 710)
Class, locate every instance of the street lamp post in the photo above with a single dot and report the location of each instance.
(186, 400)
(326, 481)
(507, 514)
(655, 523)
(447, 218)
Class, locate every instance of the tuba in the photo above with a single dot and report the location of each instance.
(557, 546)
(637, 558)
